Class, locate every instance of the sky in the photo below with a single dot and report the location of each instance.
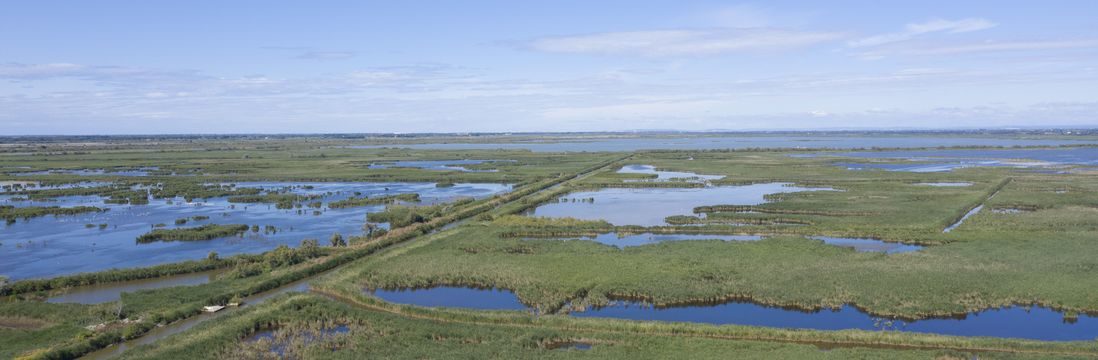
(170, 67)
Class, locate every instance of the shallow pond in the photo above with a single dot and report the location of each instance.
(1013, 322)
(51, 246)
(1072, 156)
(441, 165)
(735, 142)
(624, 241)
(650, 206)
(662, 175)
(963, 218)
(920, 167)
(101, 293)
(869, 245)
(947, 160)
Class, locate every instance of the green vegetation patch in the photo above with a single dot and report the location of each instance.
(204, 232)
(377, 200)
(11, 214)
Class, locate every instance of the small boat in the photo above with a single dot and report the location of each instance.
(212, 308)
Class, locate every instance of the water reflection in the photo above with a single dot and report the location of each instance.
(1012, 322)
(101, 293)
(441, 165)
(662, 175)
(453, 296)
(51, 246)
(650, 206)
(963, 218)
(869, 245)
(948, 160)
(630, 240)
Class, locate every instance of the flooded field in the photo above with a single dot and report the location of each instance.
(924, 167)
(107, 292)
(440, 165)
(948, 160)
(51, 246)
(869, 245)
(650, 206)
(630, 240)
(734, 142)
(1065, 156)
(453, 296)
(662, 175)
(1013, 322)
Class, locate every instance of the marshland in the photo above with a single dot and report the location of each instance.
(335, 247)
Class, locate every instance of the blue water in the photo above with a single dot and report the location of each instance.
(440, 165)
(963, 218)
(101, 293)
(52, 246)
(613, 239)
(921, 167)
(1072, 156)
(869, 245)
(948, 160)
(1013, 322)
(650, 206)
(735, 142)
(620, 241)
(663, 175)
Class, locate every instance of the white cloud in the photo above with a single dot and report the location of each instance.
(326, 55)
(916, 29)
(741, 16)
(682, 42)
(1006, 46)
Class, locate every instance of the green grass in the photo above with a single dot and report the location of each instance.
(204, 232)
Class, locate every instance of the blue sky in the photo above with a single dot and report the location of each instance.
(143, 67)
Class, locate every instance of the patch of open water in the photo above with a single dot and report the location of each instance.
(1036, 323)
(440, 165)
(650, 206)
(51, 246)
